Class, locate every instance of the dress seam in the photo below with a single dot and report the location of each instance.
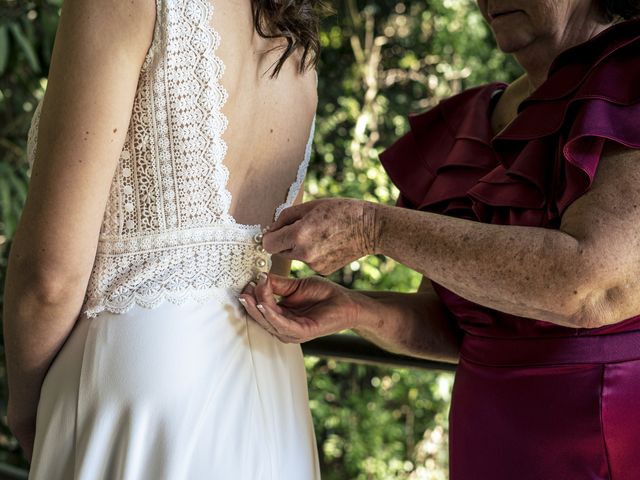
(260, 399)
(81, 374)
(602, 430)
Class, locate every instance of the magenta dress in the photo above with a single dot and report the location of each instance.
(533, 400)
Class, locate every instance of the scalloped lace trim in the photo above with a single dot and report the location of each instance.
(186, 265)
(222, 295)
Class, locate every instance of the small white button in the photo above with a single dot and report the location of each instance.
(128, 207)
(261, 263)
(257, 238)
(126, 172)
(126, 155)
(129, 224)
(128, 189)
(260, 249)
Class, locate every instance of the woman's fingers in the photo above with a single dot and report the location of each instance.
(250, 306)
(256, 312)
(249, 289)
(291, 215)
(325, 234)
(263, 292)
(284, 326)
(282, 241)
(283, 286)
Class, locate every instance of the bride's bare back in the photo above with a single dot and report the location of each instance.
(99, 50)
(269, 118)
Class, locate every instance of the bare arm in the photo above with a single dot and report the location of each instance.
(415, 324)
(98, 51)
(583, 275)
(586, 274)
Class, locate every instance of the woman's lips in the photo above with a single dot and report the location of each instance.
(502, 13)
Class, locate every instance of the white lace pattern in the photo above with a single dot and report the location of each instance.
(167, 234)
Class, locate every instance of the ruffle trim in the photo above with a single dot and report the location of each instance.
(446, 151)
(548, 156)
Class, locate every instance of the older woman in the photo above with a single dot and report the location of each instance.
(522, 211)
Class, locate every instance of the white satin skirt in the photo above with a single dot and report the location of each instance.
(188, 392)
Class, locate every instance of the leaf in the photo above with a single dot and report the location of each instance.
(5, 202)
(49, 21)
(19, 185)
(26, 47)
(4, 48)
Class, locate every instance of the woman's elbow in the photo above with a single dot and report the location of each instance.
(595, 307)
(45, 285)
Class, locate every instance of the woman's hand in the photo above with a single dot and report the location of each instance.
(23, 427)
(325, 234)
(310, 307)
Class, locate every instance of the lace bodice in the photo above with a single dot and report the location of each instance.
(167, 233)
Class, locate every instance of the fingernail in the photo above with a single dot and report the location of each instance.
(262, 277)
(260, 307)
(253, 284)
(242, 301)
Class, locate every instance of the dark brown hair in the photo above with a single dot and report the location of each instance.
(625, 9)
(297, 21)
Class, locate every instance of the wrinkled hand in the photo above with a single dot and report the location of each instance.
(23, 428)
(310, 307)
(326, 234)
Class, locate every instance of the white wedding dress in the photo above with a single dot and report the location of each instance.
(164, 376)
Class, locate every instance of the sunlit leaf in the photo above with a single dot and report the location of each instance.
(25, 46)
(4, 48)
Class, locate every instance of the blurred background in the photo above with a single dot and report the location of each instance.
(380, 61)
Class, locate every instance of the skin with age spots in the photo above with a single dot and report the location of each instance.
(582, 275)
(346, 222)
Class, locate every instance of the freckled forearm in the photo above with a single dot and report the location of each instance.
(414, 324)
(525, 271)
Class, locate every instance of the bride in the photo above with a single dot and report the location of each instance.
(170, 132)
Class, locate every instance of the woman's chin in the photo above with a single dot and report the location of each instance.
(512, 42)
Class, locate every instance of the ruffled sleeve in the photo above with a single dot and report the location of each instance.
(592, 96)
(444, 153)
(545, 159)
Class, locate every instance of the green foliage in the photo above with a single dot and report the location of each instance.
(378, 422)
(380, 61)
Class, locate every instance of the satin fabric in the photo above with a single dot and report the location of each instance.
(524, 407)
(179, 392)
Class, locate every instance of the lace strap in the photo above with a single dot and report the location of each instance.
(156, 41)
(32, 135)
(294, 189)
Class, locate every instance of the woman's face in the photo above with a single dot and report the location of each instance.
(519, 25)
